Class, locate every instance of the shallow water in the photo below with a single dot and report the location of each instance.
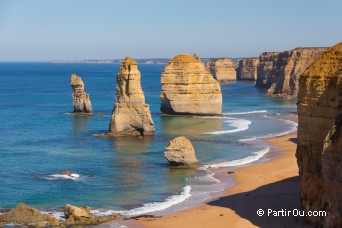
(39, 139)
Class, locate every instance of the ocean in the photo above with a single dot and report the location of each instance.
(39, 138)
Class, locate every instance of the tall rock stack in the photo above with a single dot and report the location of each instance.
(267, 61)
(319, 150)
(130, 116)
(247, 69)
(80, 99)
(287, 69)
(222, 69)
(188, 88)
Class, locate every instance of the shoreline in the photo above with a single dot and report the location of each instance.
(256, 187)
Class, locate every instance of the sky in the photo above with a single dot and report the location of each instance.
(41, 30)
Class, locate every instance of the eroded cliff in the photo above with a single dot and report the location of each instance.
(188, 88)
(319, 150)
(130, 116)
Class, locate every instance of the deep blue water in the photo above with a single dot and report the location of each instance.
(38, 138)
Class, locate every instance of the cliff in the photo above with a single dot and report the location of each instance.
(267, 61)
(247, 69)
(319, 150)
(187, 88)
(80, 99)
(222, 69)
(130, 116)
(289, 66)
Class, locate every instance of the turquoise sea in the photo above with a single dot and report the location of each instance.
(39, 138)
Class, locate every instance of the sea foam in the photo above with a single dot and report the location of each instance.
(73, 176)
(243, 161)
(237, 124)
(244, 113)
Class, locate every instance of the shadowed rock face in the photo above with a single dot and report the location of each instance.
(181, 153)
(130, 116)
(80, 99)
(188, 88)
(248, 68)
(222, 69)
(319, 151)
(267, 62)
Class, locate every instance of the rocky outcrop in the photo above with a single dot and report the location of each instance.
(222, 69)
(319, 150)
(289, 66)
(130, 116)
(187, 88)
(267, 61)
(82, 216)
(247, 69)
(181, 153)
(80, 99)
(25, 215)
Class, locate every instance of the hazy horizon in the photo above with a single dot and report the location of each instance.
(41, 30)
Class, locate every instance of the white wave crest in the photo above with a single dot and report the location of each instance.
(73, 176)
(293, 128)
(243, 161)
(150, 207)
(238, 124)
(244, 113)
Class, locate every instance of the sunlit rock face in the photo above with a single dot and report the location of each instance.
(130, 116)
(80, 99)
(189, 89)
(319, 150)
(222, 69)
(247, 69)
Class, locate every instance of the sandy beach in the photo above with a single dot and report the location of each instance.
(271, 185)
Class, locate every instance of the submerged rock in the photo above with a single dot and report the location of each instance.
(188, 88)
(130, 116)
(319, 150)
(181, 153)
(248, 69)
(66, 172)
(222, 69)
(24, 214)
(80, 99)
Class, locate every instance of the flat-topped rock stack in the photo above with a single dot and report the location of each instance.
(130, 116)
(319, 150)
(222, 69)
(247, 69)
(80, 99)
(189, 89)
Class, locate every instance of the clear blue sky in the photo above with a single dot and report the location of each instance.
(38, 30)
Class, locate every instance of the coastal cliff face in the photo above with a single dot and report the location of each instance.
(319, 150)
(248, 69)
(267, 62)
(222, 69)
(130, 116)
(188, 88)
(80, 99)
(287, 69)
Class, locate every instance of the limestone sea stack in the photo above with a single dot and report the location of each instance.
(181, 153)
(189, 89)
(247, 69)
(289, 66)
(222, 69)
(80, 99)
(319, 150)
(130, 116)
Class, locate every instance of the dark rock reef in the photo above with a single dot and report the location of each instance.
(319, 150)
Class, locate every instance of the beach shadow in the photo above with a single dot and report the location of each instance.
(294, 140)
(280, 195)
